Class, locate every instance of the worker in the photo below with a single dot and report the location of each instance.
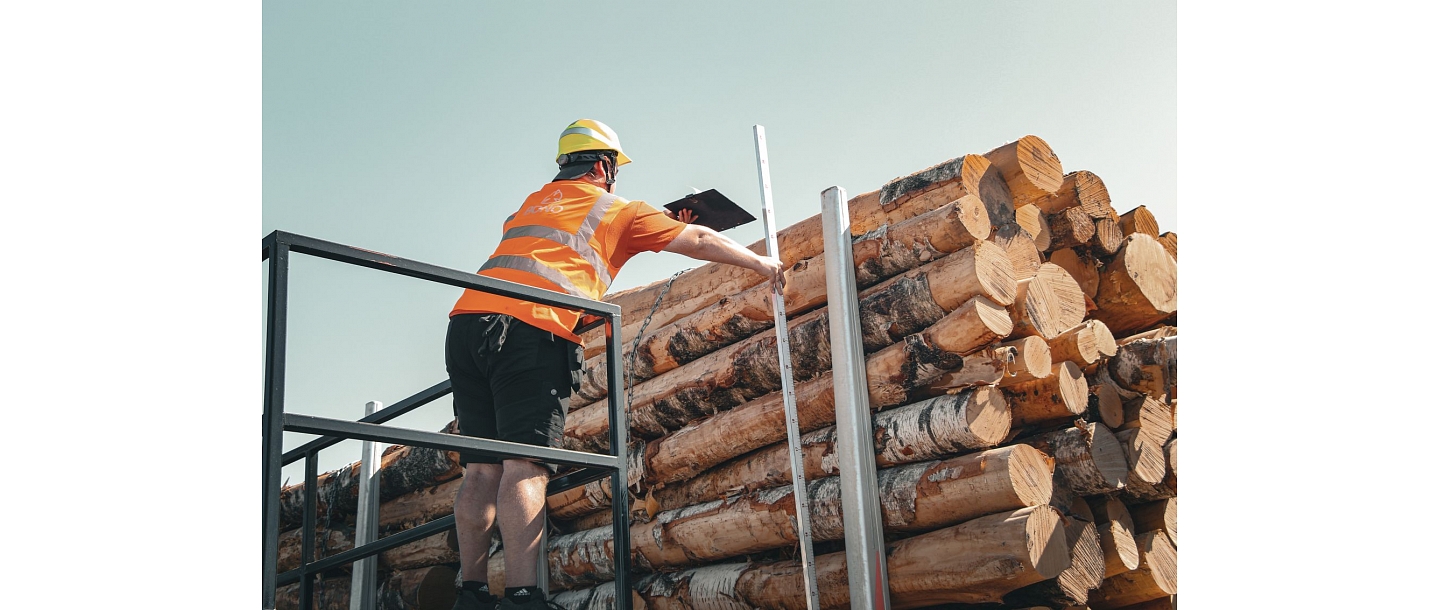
(513, 364)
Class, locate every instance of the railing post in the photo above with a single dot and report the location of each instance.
(859, 499)
(367, 522)
(272, 419)
(307, 533)
(619, 446)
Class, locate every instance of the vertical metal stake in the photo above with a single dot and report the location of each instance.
(859, 499)
(272, 421)
(307, 536)
(619, 447)
(787, 385)
(367, 521)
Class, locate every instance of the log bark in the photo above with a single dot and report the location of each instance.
(1137, 287)
(708, 283)
(428, 588)
(913, 497)
(977, 561)
(750, 368)
(1081, 265)
(328, 542)
(971, 420)
(967, 175)
(1034, 223)
(1108, 236)
(328, 594)
(402, 470)
(1154, 579)
(430, 551)
(1117, 534)
(1060, 396)
(1080, 189)
(1071, 227)
(985, 367)
(1032, 361)
(879, 255)
(1159, 515)
(1030, 169)
(1088, 458)
(1138, 490)
(599, 597)
(891, 374)
(1139, 220)
(1020, 246)
(419, 507)
(1144, 366)
(1048, 304)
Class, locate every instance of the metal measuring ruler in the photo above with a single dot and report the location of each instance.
(787, 385)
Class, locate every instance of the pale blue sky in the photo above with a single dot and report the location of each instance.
(415, 128)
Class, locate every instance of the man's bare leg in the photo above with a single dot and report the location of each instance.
(475, 518)
(520, 507)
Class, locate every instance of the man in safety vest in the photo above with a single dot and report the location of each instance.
(511, 362)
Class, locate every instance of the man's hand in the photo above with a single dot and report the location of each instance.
(774, 271)
(686, 215)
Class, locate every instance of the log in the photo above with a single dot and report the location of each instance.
(1160, 603)
(1171, 242)
(750, 368)
(1078, 345)
(974, 419)
(985, 367)
(967, 175)
(1154, 579)
(1137, 287)
(1139, 220)
(328, 594)
(1071, 227)
(1048, 304)
(1108, 235)
(1087, 560)
(1106, 405)
(599, 597)
(428, 588)
(1159, 515)
(1080, 189)
(913, 498)
(1152, 418)
(419, 507)
(1019, 245)
(710, 282)
(1144, 366)
(890, 373)
(977, 561)
(1081, 265)
(881, 254)
(1088, 458)
(328, 541)
(1034, 223)
(1146, 459)
(1030, 169)
(402, 470)
(1061, 395)
(1117, 534)
(1138, 490)
(1032, 361)
(429, 551)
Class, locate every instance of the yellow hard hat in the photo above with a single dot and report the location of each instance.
(589, 134)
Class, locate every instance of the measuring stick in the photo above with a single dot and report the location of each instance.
(787, 385)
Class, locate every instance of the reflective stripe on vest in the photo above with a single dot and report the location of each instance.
(579, 241)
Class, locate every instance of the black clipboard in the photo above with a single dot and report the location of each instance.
(714, 210)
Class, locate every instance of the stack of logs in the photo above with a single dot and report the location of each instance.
(1020, 341)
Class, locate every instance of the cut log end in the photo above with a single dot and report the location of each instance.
(1032, 475)
(1108, 405)
(1139, 220)
(1049, 303)
(1137, 288)
(1045, 541)
(1019, 245)
(1108, 235)
(995, 273)
(1030, 168)
(987, 415)
(1103, 338)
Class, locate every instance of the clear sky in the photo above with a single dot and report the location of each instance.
(415, 128)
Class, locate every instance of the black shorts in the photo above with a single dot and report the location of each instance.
(511, 381)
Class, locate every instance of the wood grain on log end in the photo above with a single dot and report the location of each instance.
(1048, 304)
(1104, 340)
(1146, 459)
(1139, 220)
(970, 327)
(1034, 223)
(1081, 189)
(1137, 288)
(1159, 515)
(1030, 168)
(1153, 579)
(983, 269)
(1117, 534)
(1070, 227)
(1081, 266)
(1171, 242)
(1020, 247)
(1031, 361)
(1075, 345)
(1108, 236)
(1108, 406)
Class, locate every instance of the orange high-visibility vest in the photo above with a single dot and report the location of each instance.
(559, 240)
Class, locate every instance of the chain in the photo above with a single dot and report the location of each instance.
(635, 347)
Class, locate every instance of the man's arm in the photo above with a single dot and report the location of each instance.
(702, 242)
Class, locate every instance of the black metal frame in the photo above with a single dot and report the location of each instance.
(276, 248)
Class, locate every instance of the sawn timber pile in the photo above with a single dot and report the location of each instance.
(1019, 339)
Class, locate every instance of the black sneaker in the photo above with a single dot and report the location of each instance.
(533, 602)
(466, 599)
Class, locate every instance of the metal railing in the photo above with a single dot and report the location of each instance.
(276, 249)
